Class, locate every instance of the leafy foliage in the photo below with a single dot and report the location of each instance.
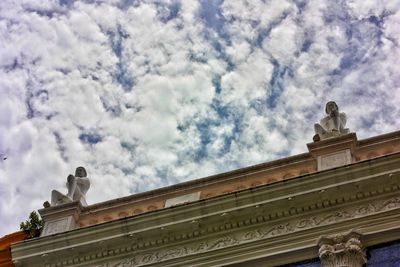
(33, 226)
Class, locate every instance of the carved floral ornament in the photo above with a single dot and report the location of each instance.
(342, 249)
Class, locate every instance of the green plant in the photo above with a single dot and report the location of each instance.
(33, 226)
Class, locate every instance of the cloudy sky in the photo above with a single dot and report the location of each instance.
(146, 94)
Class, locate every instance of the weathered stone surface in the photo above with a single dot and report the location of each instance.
(182, 199)
(77, 185)
(266, 226)
(60, 218)
(342, 250)
(334, 160)
(58, 226)
(332, 125)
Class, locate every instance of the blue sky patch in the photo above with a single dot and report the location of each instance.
(210, 13)
(276, 84)
(121, 75)
(90, 138)
(168, 11)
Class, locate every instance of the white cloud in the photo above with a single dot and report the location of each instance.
(144, 96)
(284, 41)
(248, 80)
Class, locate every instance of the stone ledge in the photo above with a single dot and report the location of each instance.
(145, 233)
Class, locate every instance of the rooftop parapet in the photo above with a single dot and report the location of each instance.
(326, 154)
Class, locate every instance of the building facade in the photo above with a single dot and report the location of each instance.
(336, 205)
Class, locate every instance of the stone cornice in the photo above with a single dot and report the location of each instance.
(236, 220)
(283, 190)
(323, 155)
(55, 211)
(316, 148)
(157, 253)
(388, 137)
(198, 183)
(333, 144)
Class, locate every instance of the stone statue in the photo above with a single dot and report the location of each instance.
(332, 125)
(77, 185)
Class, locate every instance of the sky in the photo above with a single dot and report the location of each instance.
(146, 94)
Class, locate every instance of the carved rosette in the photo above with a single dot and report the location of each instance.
(342, 250)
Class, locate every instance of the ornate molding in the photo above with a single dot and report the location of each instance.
(351, 245)
(191, 232)
(342, 250)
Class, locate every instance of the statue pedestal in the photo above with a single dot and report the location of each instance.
(331, 134)
(334, 152)
(60, 218)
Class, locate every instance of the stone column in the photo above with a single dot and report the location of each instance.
(342, 250)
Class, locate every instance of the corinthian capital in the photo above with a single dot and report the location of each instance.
(342, 250)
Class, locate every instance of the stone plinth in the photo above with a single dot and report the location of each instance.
(334, 160)
(334, 152)
(60, 218)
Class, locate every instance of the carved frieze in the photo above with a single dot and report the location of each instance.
(263, 231)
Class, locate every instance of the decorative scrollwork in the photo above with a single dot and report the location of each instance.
(340, 247)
